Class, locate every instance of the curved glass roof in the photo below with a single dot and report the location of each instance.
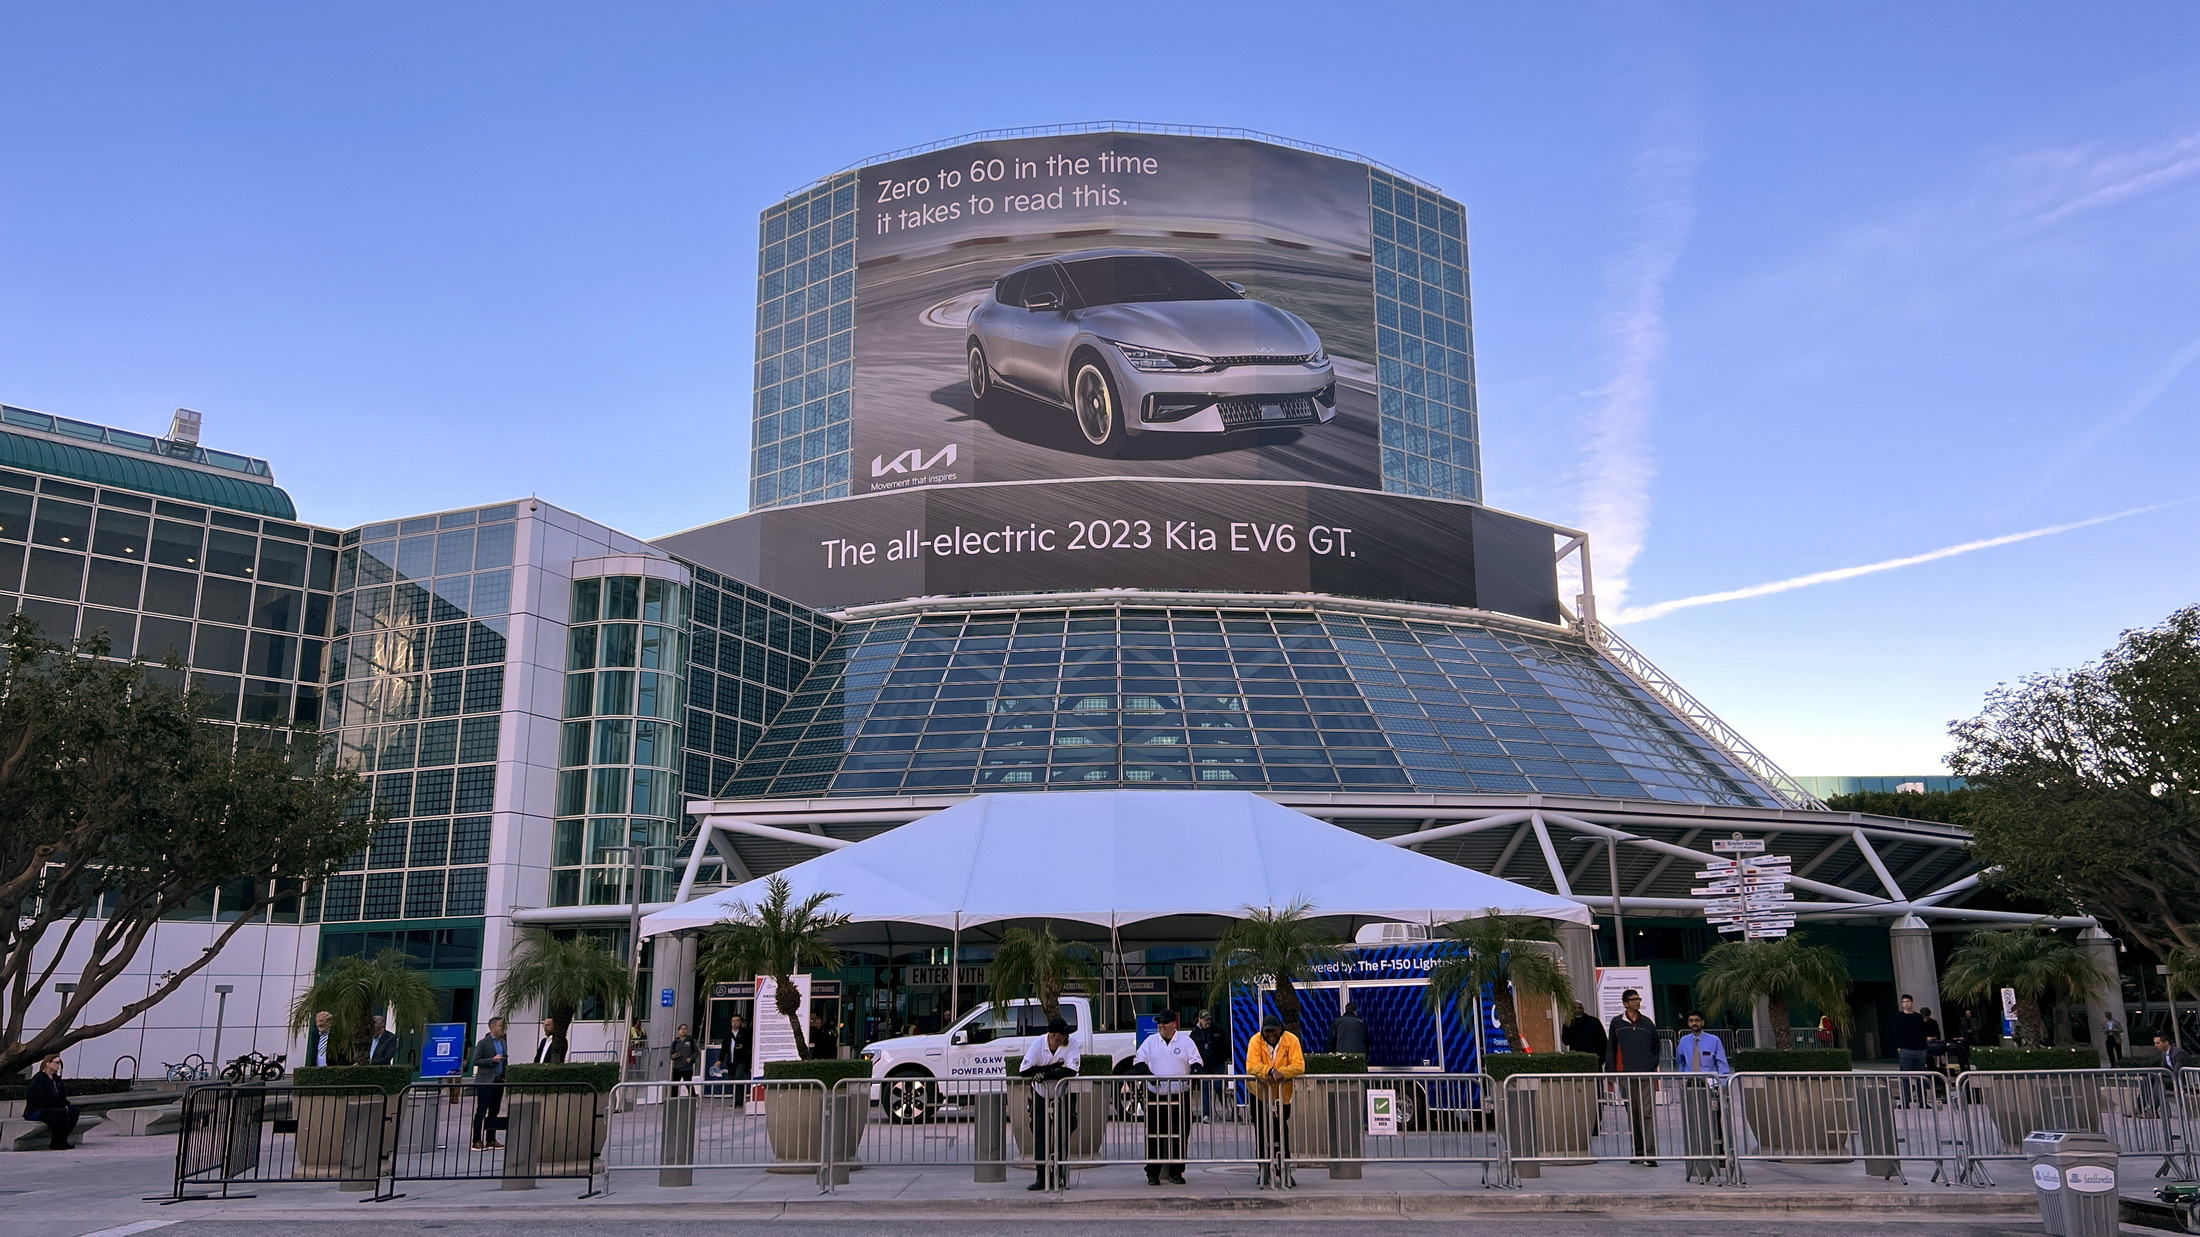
(1249, 698)
(148, 475)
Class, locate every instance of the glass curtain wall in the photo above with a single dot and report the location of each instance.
(416, 693)
(620, 745)
(1424, 341)
(805, 345)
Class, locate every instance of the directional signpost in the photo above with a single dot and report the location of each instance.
(1745, 890)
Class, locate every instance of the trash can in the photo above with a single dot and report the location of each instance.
(2074, 1178)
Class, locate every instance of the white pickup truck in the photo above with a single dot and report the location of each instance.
(924, 1069)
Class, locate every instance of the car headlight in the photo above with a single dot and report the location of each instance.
(1154, 360)
(1320, 357)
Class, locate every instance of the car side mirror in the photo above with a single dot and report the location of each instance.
(1043, 300)
(1234, 287)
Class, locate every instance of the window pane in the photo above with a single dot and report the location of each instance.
(62, 524)
(120, 535)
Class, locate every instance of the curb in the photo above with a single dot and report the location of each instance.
(1492, 1203)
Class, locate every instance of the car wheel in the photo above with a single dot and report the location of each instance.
(1099, 410)
(981, 376)
(910, 1098)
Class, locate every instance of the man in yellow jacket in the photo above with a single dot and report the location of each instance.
(1273, 1058)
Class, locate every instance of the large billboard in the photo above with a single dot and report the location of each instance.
(1254, 537)
(1114, 305)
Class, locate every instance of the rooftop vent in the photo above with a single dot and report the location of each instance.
(1390, 933)
(184, 427)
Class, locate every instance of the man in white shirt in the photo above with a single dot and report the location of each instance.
(1699, 1051)
(1048, 1062)
(1166, 1055)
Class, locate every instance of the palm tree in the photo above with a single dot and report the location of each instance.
(1034, 964)
(355, 990)
(1737, 973)
(1285, 945)
(776, 937)
(561, 976)
(2041, 966)
(1487, 949)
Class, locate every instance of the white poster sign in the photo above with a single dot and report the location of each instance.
(1382, 1112)
(2008, 1013)
(773, 1038)
(1614, 980)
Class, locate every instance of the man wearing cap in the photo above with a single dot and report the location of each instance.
(1273, 1058)
(1047, 1062)
(1170, 1057)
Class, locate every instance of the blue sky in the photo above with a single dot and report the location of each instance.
(1760, 291)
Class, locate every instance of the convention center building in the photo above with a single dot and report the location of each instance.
(1097, 457)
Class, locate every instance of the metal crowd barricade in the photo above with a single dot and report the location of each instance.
(1001, 1128)
(676, 1128)
(1431, 1119)
(1882, 1118)
(514, 1133)
(254, 1134)
(2138, 1109)
(1573, 1119)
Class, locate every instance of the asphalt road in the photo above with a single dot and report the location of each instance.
(1600, 1224)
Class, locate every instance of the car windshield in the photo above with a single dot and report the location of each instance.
(1135, 279)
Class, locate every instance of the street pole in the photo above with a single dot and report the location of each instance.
(1619, 923)
(221, 1012)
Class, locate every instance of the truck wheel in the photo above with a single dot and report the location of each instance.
(910, 1098)
(1412, 1107)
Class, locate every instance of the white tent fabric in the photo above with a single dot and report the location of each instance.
(1117, 857)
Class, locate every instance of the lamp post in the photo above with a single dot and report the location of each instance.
(634, 851)
(221, 1013)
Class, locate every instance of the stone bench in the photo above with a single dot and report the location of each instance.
(18, 1134)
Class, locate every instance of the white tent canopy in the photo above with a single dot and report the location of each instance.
(1118, 857)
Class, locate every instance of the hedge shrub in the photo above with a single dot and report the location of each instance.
(388, 1079)
(78, 1087)
(2035, 1058)
(824, 1069)
(597, 1076)
(1336, 1062)
(1503, 1065)
(1793, 1061)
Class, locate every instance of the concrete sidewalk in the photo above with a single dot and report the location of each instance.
(105, 1184)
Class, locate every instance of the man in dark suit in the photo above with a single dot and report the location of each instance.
(1634, 1050)
(2173, 1057)
(489, 1058)
(737, 1054)
(46, 1100)
(381, 1044)
(321, 1046)
(550, 1049)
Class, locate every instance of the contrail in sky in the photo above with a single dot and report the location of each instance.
(1643, 614)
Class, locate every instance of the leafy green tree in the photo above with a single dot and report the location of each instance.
(2041, 966)
(1285, 945)
(1029, 965)
(119, 807)
(354, 990)
(1497, 950)
(560, 976)
(1947, 807)
(2084, 785)
(776, 937)
(1737, 973)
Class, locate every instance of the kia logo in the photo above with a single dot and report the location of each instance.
(912, 460)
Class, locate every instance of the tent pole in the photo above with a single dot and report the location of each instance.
(1115, 934)
(954, 971)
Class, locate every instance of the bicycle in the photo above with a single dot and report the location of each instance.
(255, 1065)
(193, 1068)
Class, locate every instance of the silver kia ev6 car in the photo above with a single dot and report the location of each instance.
(1136, 342)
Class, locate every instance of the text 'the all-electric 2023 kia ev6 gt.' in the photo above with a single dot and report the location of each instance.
(1135, 342)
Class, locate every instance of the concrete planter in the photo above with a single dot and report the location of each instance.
(1329, 1119)
(345, 1137)
(1086, 1101)
(1801, 1118)
(1552, 1117)
(2050, 1102)
(794, 1122)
